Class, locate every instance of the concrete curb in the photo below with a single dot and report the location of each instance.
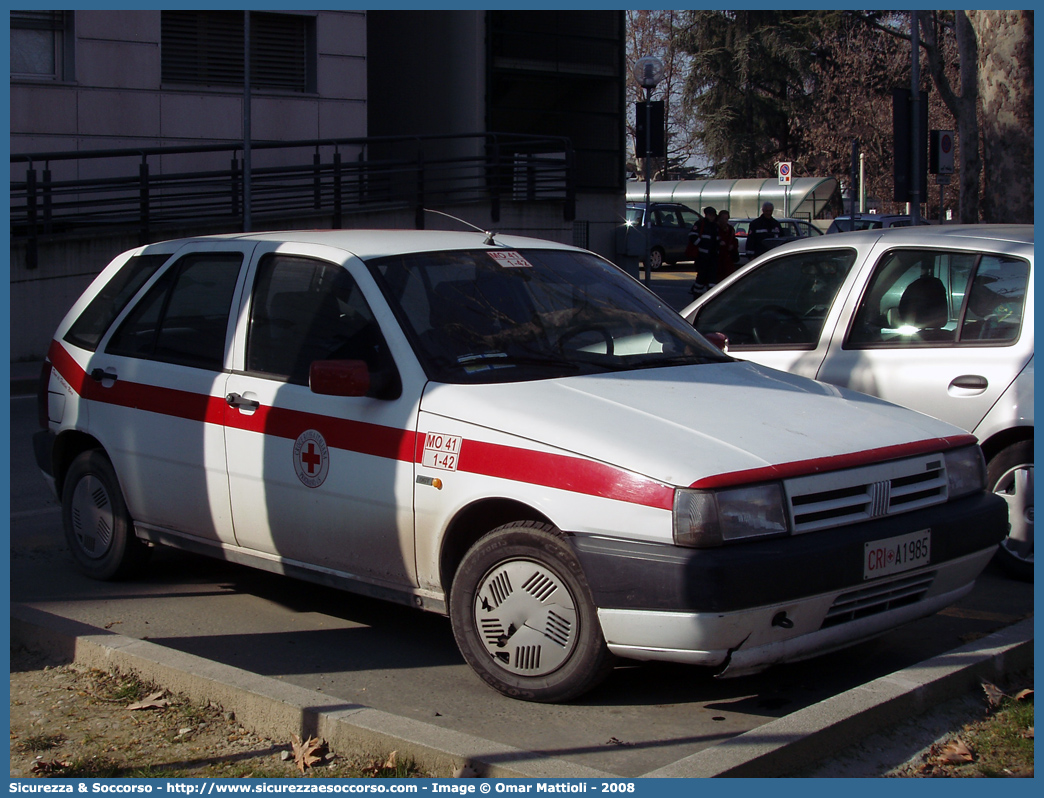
(822, 730)
(276, 709)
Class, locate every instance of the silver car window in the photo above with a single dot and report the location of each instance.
(781, 304)
(925, 297)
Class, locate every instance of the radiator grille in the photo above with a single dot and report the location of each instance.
(861, 494)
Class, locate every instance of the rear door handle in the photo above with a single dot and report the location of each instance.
(99, 375)
(968, 385)
(242, 403)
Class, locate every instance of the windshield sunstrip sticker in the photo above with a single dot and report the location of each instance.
(561, 472)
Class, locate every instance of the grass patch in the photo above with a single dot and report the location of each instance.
(1003, 743)
(35, 743)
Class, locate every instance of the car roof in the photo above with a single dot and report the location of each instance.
(1008, 237)
(379, 243)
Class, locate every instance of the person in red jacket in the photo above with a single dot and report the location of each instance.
(728, 246)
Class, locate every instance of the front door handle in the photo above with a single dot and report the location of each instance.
(241, 403)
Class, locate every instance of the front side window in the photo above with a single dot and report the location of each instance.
(303, 310)
(478, 316)
(783, 304)
(183, 317)
(936, 298)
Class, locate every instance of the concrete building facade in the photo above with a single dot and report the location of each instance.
(101, 80)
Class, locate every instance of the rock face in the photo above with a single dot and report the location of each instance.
(1005, 41)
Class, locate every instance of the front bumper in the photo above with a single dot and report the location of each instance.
(739, 643)
(749, 605)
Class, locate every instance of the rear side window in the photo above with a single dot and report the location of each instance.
(184, 317)
(782, 304)
(937, 298)
(87, 331)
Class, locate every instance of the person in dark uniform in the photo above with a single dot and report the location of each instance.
(704, 238)
(761, 229)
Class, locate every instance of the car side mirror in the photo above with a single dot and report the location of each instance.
(720, 340)
(339, 377)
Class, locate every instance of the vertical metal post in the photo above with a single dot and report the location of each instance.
(32, 244)
(143, 201)
(47, 200)
(247, 164)
(915, 121)
(317, 183)
(647, 216)
(494, 187)
(418, 219)
(234, 186)
(337, 220)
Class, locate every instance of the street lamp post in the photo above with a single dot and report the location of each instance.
(648, 72)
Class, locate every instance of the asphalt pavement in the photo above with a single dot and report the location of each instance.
(289, 657)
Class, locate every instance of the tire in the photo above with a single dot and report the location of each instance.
(656, 259)
(98, 528)
(523, 616)
(1010, 475)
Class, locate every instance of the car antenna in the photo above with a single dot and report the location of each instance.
(487, 233)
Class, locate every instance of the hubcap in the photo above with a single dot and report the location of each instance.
(92, 517)
(526, 617)
(1016, 488)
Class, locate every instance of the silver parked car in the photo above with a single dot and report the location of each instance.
(792, 229)
(870, 221)
(939, 319)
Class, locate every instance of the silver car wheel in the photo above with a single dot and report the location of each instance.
(92, 516)
(527, 618)
(1015, 486)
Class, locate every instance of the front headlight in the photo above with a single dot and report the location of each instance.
(704, 518)
(965, 471)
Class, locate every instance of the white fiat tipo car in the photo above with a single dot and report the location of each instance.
(508, 431)
(939, 319)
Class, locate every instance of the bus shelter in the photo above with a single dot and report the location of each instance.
(804, 198)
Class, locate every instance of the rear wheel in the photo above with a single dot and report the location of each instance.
(656, 258)
(524, 618)
(98, 527)
(1010, 475)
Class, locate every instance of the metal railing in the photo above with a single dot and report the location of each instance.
(341, 176)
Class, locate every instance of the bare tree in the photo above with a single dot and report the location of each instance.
(963, 106)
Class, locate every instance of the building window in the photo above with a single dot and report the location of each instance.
(206, 48)
(38, 44)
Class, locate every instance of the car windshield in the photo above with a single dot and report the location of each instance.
(481, 316)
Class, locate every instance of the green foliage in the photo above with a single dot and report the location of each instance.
(749, 83)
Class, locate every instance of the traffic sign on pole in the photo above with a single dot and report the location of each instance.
(784, 173)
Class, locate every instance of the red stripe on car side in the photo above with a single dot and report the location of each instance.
(562, 472)
(166, 401)
(802, 468)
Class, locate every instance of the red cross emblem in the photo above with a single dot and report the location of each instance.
(311, 458)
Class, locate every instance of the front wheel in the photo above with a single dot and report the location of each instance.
(1010, 475)
(98, 527)
(523, 616)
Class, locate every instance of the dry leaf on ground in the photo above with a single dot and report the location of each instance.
(307, 753)
(956, 753)
(154, 701)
